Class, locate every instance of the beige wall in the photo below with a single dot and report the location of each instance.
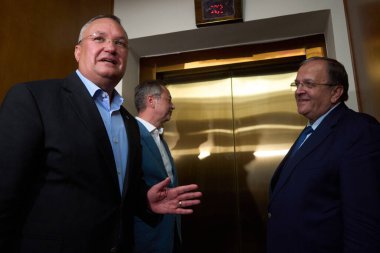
(168, 26)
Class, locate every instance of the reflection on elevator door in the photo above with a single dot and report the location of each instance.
(228, 136)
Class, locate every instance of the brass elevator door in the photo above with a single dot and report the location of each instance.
(228, 135)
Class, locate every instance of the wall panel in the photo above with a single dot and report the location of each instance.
(364, 19)
(38, 37)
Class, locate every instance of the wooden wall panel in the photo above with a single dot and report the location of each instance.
(364, 22)
(37, 38)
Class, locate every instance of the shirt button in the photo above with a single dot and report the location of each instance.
(269, 215)
(118, 171)
(115, 140)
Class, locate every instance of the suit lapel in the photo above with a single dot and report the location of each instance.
(149, 142)
(84, 106)
(133, 143)
(288, 165)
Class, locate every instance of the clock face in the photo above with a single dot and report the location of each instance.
(212, 9)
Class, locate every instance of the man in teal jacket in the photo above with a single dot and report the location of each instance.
(154, 105)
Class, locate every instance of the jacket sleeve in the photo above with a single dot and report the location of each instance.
(136, 182)
(21, 149)
(360, 189)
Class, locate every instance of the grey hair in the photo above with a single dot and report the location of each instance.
(145, 89)
(84, 27)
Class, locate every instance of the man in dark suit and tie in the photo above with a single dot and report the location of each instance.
(154, 106)
(325, 194)
(70, 163)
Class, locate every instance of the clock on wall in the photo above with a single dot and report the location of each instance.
(212, 12)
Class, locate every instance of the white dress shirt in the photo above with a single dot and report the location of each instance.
(157, 138)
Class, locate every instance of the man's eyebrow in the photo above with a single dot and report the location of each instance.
(99, 32)
(106, 34)
(305, 80)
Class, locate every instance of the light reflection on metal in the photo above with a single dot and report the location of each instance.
(233, 131)
(206, 147)
(217, 149)
(203, 154)
(270, 153)
(264, 113)
(255, 57)
(250, 128)
(266, 85)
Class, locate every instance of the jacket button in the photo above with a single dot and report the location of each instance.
(114, 250)
(269, 215)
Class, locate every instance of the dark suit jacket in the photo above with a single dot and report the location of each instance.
(328, 199)
(58, 185)
(161, 238)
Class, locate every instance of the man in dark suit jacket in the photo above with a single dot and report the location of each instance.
(325, 196)
(70, 163)
(154, 106)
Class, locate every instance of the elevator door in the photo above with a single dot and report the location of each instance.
(228, 135)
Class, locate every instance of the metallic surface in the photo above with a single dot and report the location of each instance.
(228, 136)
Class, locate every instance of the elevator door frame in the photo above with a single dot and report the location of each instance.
(172, 68)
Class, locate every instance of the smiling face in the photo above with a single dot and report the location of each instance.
(314, 102)
(101, 59)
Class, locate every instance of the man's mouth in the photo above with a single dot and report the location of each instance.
(109, 60)
(302, 99)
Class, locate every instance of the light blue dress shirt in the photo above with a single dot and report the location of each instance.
(318, 122)
(114, 124)
(321, 118)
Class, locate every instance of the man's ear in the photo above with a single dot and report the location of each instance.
(151, 101)
(336, 93)
(77, 52)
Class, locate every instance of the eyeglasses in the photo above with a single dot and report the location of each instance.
(99, 38)
(309, 85)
